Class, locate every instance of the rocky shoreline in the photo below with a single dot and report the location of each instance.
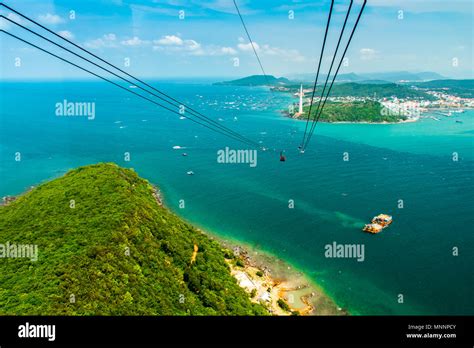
(271, 281)
(276, 284)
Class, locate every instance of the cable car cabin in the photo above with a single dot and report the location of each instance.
(282, 157)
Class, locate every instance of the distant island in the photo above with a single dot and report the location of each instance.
(106, 245)
(256, 80)
(373, 101)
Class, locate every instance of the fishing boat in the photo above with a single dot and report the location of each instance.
(382, 219)
(372, 228)
(190, 172)
(378, 223)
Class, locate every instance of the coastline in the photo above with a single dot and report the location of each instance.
(270, 277)
(278, 285)
(297, 290)
(261, 271)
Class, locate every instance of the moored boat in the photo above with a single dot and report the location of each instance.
(382, 219)
(378, 223)
(372, 228)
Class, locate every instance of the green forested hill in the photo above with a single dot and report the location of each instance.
(461, 88)
(356, 111)
(82, 251)
(256, 80)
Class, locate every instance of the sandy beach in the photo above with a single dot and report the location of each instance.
(270, 280)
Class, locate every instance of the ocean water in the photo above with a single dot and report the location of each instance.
(332, 198)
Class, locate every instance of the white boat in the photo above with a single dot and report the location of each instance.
(190, 172)
(177, 147)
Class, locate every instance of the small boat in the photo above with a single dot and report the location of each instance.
(457, 121)
(182, 117)
(184, 154)
(190, 172)
(378, 223)
(177, 147)
(382, 219)
(372, 228)
(282, 157)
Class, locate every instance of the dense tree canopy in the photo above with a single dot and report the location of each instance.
(106, 247)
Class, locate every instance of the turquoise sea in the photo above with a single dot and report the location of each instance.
(333, 198)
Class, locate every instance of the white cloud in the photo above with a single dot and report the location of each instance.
(177, 44)
(51, 19)
(291, 55)
(66, 34)
(135, 41)
(107, 41)
(173, 43)
(169, 40)
(248, 46)
(191, 45)
(368, 53)
(228, 50)
(4, 24)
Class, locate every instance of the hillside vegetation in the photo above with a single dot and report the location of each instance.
(117, 252)
(460, 88)
(357, 111)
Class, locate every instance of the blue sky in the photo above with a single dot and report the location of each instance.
(413, 35)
